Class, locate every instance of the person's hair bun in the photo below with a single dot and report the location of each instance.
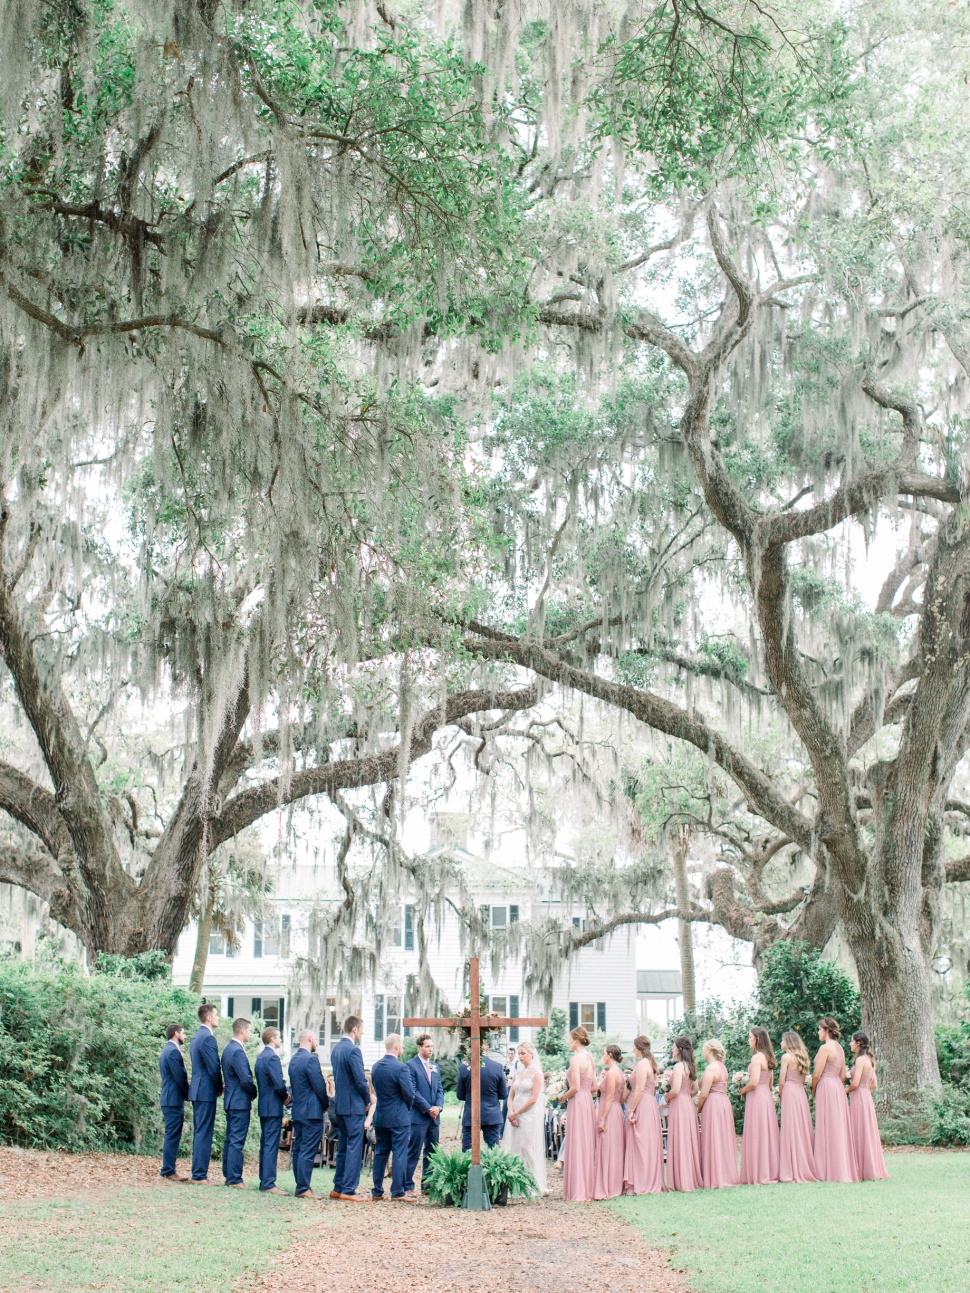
(580, 1035)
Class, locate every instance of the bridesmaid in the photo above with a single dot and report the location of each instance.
(834, 1158)
(759, 1142)
(864, 1129)
(719, 1144)
(797, 1162)
(610, 1127)
(643, 1165)
(683, 1149)
(579, 1162)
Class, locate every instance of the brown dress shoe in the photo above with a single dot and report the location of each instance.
(239, 1185)
(376, 1198)
(175, 1176)
(274, 1189)
(348, 1198)
(310, 1194)
(334, 1194)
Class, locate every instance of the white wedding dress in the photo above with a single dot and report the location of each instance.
(528, 1139)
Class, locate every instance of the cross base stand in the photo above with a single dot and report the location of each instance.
(476, 1195)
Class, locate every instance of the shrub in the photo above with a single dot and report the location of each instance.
(796, 988)
(446, 1175)
(505, 1170)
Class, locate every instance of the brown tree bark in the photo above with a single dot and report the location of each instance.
(199, 961)
(685, 936)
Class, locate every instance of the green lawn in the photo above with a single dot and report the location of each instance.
(911, 1232)
(148, 1238)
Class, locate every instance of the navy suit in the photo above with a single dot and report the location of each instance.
(240, 1092)
(494, 1091)
(204, 1090)
(272, 1096)
(392, 1122)
(424, 1129)
(350, 1104)
(310, 1102)
(175, 1089)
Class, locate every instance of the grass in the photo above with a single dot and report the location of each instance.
(909, 1232)
(147, 1238)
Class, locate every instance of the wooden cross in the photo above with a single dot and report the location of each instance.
(476, 1197)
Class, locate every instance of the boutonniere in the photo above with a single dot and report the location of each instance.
(434, 1068)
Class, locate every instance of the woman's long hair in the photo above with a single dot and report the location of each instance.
(864, 1044)
(685, 1050)
(763, 1046)
(793, 1044)
(641, 1045)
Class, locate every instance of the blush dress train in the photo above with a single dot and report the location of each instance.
(760, 1142)
(579, 1161)
(834, 1157)
(866, 1143)
(683, 1143)
(643, 1162)
(719, 1145)
(797, 1161)
(610, 1146)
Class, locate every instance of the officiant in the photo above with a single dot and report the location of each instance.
(494, 1091)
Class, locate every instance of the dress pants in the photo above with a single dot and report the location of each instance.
(491, 1135)
(203, 1125)
(237, 1129)
(174, 1116)
(424, 1134)
(350, 1151)
(391, 1141)
(269, 1150)
(306, 1141)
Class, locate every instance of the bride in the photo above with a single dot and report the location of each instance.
(525, 1131)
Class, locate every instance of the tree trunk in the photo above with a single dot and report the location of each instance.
(686, 935)
(197, 978)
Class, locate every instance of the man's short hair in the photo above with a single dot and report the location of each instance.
(268, 1034)
(392, 1040)
(206, 1009)
(172, 1029)
(305, 1035)
(239, 1025)
(420, 1041)
(352, 1022)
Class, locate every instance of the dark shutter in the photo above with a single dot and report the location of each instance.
(513, 914)
(282, 1003)
(408, 928)
(378, 1019)
(257, 938)
(256, 1006)
(573, 1014)
(231, 1006)
(601, 1016)
(513, 1014)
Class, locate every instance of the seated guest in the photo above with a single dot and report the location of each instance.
(308, 1092)
(429, 1098)
(240, 1092)
(392, 1118)
(273, 1096)
(494, 1091)
(204, 1090)
(175, 1090)
(350, 1105)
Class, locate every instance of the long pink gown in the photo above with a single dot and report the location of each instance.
(683, 1142)
(797, 1162)
(579, 1161)
(610, 1146)
(643, 1162)
(866, 1143)
(719, 1145)
(759, 1141)
(834, 1159)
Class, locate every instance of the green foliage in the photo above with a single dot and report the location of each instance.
(448, 1068)
(797, 987)
(149, 967)
(505, 1170)
(552, 1043)
(446, 1175)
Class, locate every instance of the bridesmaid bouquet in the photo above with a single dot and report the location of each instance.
(663, 1082)
(556, 1087)
(739, 1079)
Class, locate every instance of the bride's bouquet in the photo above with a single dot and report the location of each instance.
(557, 1084)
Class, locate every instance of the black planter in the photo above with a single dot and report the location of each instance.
(503, 1197)
(449, 1201)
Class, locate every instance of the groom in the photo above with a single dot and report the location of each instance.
(429, 1097)
(494, 1091)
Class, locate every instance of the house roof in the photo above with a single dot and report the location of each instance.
(665, 983)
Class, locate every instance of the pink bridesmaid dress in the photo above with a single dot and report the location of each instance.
(797, 1162)
(834, 1159)
(579, 1161)
(759, 1141)
(866, 1143)
(683, 1142)
(719, 1144)
(610, 1146)
(643, 1162)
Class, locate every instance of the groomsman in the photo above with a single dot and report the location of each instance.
(204, 1090)
(273, 1095)
(494, 1091)
(392, 1118)
(308, 1091)
(237, 1102)
(429, 1098)
(175, 1089)
(350, 1104)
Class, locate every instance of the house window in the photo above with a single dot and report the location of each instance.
(601, 1016)
(217, 945)
(269, 1010)
(500, 917)
(388, 1014)
(499, 1005)
(591, 1014)
(285, 934)
(408, 928)
(579, 925)
(513, 914)
(257, 938)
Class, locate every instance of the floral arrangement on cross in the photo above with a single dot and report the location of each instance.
(461, 1030)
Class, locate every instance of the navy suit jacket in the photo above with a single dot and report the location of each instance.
(237, 1077)
(307, 1087)
(351, 1092)
(269, 1079)
(425, 1095)
(395, 1092)
(494, 1091)
(206, 1081)
(175, 1084)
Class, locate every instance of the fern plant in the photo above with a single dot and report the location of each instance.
(447, 1175)
(505, 1170)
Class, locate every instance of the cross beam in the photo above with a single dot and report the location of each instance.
(476, 1197)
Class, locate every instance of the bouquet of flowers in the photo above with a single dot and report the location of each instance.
(557, 1084)
(739, 1079)
(663, 1081)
